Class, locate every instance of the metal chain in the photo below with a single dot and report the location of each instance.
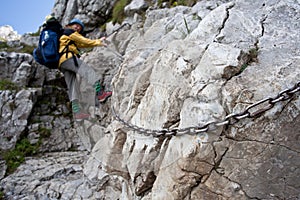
(253, 111)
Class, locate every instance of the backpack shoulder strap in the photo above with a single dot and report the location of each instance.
(68, 31)
(66, 50)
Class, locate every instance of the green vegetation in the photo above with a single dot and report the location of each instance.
(251, 57)
(1, 195)
(20, 49)
(253, 53)
(244, 66)
(186, 26)
(103, 27)
(16, 156)
(118, 14)
(3, 45)
(173, 3)
(26, 49)
(35, 34)
(23, 48)
(8, 85)
(44, 132)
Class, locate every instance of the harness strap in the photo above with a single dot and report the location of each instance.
(66, 51)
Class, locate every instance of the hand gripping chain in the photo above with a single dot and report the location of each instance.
(253, 111)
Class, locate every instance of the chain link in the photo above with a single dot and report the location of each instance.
(253, 111)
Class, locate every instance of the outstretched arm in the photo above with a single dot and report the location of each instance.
(83, 42)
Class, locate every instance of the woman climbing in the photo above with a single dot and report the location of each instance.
(71, 65)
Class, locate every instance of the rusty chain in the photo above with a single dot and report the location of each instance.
(252, 111)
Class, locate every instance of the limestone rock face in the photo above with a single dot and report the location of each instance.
(8, 34)
(92, 13)
(183, 70)
(27, 100)
(16, 106)
(183, 121)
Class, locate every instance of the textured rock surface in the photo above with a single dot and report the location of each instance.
(185, 67)
(16, 106)
(188, 79)
(92, 13)
(8, 34)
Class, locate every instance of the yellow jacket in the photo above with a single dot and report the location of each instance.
(78, 42)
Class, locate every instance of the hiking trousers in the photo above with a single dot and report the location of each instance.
(70, 71)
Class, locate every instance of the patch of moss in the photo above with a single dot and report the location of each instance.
(118, 13)
(1, 195)
(252, 55)
(44, 132)
(8, 85)
(14, 158)
(36, 33)
(26, 49)
(20, 49)
(244, 66)
(103, 27)
(3, 45)
(174, 3)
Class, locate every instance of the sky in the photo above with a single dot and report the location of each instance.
(25, 15)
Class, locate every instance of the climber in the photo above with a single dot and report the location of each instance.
(71, 65)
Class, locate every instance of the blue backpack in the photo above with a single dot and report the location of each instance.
(47, 52)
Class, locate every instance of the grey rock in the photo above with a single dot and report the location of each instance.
(16, 111)
(29, 40)
(91, 13)
(193, 78)
(135, 6)
(181, 68)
